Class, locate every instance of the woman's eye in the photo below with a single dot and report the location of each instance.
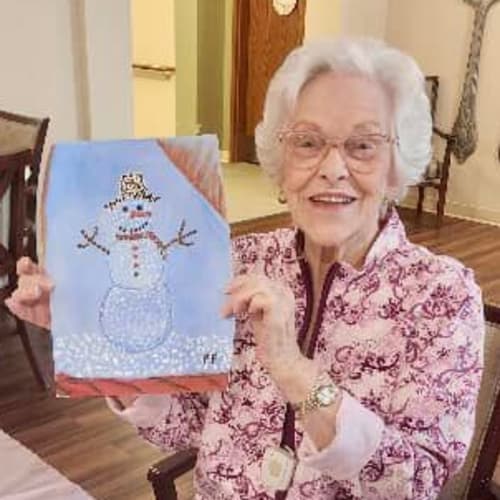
(306, 142)
(363, 145)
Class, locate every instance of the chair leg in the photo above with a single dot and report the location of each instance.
(440, 203)
(40, 377)
(164, 489)
(420, 203)
(443, 185)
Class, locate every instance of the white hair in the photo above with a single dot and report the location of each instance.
(397, 72)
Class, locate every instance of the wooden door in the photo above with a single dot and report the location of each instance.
(262, 39)
(153, 52)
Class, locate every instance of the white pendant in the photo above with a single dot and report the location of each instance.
(284, 7)
(278, 467)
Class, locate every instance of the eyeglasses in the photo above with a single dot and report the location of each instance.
(309, 148)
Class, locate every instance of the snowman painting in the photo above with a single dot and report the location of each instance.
(136, 312)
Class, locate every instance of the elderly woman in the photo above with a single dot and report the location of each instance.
(358, 355)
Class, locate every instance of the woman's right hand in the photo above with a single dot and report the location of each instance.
(30, 301)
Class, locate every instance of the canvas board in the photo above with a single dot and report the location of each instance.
(133, 235)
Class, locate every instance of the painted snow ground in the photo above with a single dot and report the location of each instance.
(87, 355)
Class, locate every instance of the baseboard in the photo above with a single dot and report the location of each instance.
(480, 214)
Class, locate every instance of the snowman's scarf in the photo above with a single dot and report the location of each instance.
(147, 235)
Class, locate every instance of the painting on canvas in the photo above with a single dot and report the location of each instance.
(134, 237)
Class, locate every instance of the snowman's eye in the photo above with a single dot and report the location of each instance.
(139, 207)
(125, 208)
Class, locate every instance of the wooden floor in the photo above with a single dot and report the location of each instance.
(91, 447)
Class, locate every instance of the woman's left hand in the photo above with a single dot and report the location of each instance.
(271, 307)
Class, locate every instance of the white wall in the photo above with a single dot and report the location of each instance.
(70, 61)
(438, 35)
(108, 42)
(36, 53)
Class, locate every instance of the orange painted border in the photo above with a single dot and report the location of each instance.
(74, 387)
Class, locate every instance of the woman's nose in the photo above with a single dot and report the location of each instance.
(334, 165)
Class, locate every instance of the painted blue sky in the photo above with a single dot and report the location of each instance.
(85, 176)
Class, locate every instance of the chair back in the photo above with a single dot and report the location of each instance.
(432, 88)
(18, 133)
(12, 188)
(474, 479)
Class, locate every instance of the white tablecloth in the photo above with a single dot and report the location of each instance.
(24, 476)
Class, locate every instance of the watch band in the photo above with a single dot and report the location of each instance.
(323, 393)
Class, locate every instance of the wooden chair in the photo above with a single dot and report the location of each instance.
(21, 143)
(19, 132)
(163, 474)
(473, 481)
(482, 485)
(438, 171)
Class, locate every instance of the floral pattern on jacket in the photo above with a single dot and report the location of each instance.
(402, 337)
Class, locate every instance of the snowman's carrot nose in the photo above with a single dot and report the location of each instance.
(139, 213)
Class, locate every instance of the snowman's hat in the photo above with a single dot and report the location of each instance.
(132, 187)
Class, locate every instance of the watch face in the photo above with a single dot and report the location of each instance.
(326, 395)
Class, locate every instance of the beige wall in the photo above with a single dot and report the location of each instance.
(437, 34)
(186, 56)
(211, 40)
(322, 18)
(345, 17)
(364, 17)
(153, 42)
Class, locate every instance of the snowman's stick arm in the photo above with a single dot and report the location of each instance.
(180, 239)
(90, 240)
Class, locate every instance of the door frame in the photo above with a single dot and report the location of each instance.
(238, 145)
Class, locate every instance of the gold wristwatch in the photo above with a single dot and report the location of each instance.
(324, 393)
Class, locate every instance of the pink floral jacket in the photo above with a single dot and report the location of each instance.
(403, 338)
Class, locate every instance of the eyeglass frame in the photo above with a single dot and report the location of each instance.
(340, 145)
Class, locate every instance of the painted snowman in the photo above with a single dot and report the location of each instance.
(136, 312)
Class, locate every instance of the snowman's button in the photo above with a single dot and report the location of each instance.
(136, 264)
(135, 247)
(136, 274)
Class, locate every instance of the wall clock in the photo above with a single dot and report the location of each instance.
(284, 7)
